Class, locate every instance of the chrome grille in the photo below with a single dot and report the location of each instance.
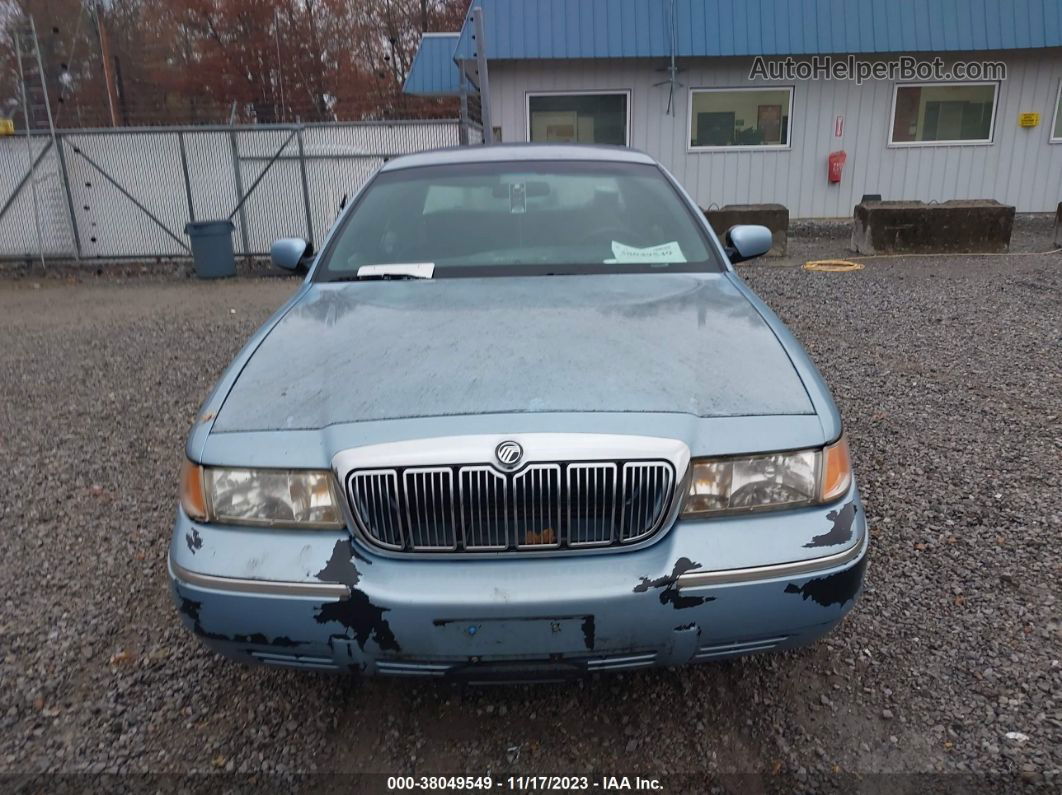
(591, 504)
(646, 485)
(374, 492)
(484, 495)
(429, 498)
(537, 503)
(477, 508)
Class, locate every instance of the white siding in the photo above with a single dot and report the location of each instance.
(1019, 167)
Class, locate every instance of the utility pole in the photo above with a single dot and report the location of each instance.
(108, 73)
(280, 63)
(120, 89)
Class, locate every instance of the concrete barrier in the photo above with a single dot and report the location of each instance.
(1058, 226)
(774, 216)
(960, 226)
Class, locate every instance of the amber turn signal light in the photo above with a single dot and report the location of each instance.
(192, 498)
(836, 470)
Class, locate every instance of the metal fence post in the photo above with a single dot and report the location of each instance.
(59, 143)
(187, 180)
(305, 187)
(239, 190)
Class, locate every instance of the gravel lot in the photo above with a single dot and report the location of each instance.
(947, 371)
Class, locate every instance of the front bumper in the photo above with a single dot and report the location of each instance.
(705, 590)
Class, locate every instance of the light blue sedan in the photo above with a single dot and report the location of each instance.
(521, 421)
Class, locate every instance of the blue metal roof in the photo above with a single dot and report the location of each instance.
(531, 29)
(433, 71)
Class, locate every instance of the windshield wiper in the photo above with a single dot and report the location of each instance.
(378, 277)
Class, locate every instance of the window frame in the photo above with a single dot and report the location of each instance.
(975, 142)
(625, 92)
(1051, 137)
(786, 147)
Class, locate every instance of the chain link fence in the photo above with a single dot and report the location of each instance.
(128, 192)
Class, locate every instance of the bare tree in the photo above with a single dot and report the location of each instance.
(172, 61)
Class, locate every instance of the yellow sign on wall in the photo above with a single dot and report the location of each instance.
(7, 127)
(1028, 119)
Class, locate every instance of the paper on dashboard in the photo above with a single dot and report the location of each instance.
(665, 252)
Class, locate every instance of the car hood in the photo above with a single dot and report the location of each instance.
(352, 352)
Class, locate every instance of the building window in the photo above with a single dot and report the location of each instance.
(579, 118)
(943, 113)
(740, 117)
(1056, 129)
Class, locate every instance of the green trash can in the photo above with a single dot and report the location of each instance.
(212, 248)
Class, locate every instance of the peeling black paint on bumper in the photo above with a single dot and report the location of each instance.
(335, 606)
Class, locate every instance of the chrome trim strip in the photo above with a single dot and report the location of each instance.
(412, 668)
(294, 658)
(621, 662)
(736, 650)
(727, 647)
(538, 447)
(296, 661)
(271, 587)
(702, 579)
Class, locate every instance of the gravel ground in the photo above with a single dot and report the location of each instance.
(947, 371)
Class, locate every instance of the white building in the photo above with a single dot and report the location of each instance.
(977, 115)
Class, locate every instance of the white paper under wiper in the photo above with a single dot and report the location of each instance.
(407, 270)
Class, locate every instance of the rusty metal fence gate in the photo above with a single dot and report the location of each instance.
(128, 192)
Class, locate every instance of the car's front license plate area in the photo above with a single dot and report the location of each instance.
(537, 636)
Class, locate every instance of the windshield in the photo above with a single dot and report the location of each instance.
(520, 218)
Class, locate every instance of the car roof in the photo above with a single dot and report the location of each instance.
(517, 152)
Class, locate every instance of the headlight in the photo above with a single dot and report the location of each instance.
(271, 497)
(763, 482)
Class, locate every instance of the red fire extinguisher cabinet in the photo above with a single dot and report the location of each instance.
(836, 165)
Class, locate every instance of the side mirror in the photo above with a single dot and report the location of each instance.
(290, 253)
(747, 241)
